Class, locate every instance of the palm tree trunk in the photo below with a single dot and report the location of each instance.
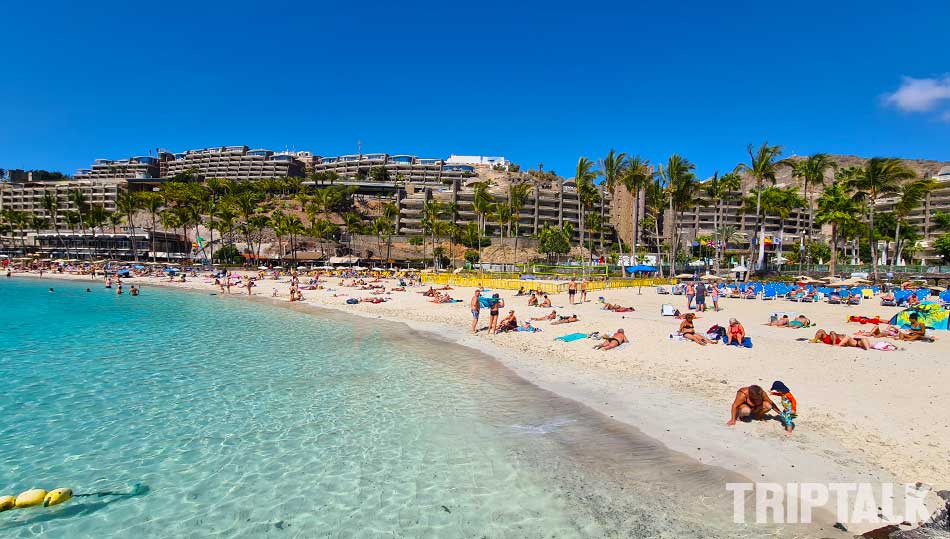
(897, 245)
(871, 236)
(636, 227)
(834, 250)
(760, 224)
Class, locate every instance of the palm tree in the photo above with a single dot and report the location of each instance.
(293, 226)
(781, 203)
(517, 198)
(432, 212)
(153, 204)
(78, 199)
(277, 222)
(612, 168)
(681, 187)
(51, 205)
(584, 176)
(636, 176)
(879, 177)
(128, 203)
(115, 220)
(716, 190)
(811, 171)
(837, 208)
(654, 206)
(257, 224)
(910, 195)
(482, 205)
(762, 167)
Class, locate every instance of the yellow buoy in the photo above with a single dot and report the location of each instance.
(57, 496)
(7, 502)
(30, 498)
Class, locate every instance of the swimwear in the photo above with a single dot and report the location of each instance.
(475, 313)
(611, 339)
(796, 323)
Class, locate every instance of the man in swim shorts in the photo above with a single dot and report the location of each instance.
(476, 309)
(571, 290)
(613, 341)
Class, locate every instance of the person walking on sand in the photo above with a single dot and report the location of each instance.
(584, 290)
(690, 293)
(571, 290)
(476, 307)
(714, 295)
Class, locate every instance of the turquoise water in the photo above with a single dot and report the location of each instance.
(245, 419)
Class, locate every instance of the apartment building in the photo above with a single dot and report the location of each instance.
(28, 196)
(555, 205)
(233, 163)
(399, 168)
(140, 167)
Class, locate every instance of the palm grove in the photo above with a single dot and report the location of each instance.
(286, 210)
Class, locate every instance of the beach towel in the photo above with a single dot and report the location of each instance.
(865, 319)
(487, 302)
(667, 309)
(884, 346)
(571, 337)
(746, 342)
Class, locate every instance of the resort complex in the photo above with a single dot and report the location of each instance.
(764, 213)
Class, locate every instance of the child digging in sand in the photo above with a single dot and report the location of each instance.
(789, 405)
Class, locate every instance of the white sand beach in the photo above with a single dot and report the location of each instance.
(870, 416)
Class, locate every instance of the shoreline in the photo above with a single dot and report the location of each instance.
(690, 424)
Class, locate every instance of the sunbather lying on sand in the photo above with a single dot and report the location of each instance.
(613, 341)
(565, 320)
(550, 316)
(800, 321)
(837, 339)
(886, 330)
(618, 308)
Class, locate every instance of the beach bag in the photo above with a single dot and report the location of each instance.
(352, 301)
(715, 332)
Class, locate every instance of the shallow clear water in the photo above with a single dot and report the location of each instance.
(246, 419)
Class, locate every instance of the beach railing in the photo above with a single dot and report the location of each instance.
(546, 287)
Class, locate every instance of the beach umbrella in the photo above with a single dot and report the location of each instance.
(262, 267)
(711, 278)
(641, 268)
(358, 268)
(683, 276)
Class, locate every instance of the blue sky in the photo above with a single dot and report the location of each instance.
(534, 81)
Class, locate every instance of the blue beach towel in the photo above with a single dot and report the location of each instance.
(571, 337)
(746, 342)
(487, 302)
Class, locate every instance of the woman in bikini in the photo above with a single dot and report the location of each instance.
(613, 341)
(688, 331)
(551, 316)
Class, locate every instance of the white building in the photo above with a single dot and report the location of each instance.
(478, 160)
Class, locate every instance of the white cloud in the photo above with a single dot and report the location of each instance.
(920, 95)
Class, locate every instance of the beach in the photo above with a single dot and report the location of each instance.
(864, 416)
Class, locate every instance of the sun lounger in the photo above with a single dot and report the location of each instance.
(662, 290)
